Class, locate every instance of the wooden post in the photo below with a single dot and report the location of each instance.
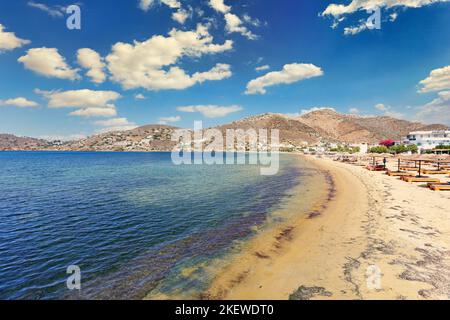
(420, 168)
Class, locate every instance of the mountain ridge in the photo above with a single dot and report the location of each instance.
(324, 125)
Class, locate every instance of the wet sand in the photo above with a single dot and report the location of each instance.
(370, 237)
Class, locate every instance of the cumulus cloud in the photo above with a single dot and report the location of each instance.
(211, 111)
(151, 64)
(113, 122)
(91, 60)
(90, 103)
(436, 111)
(95, 112)
(354, 111)
(306, 111)
(116, 124)
(234, 24)
(219, 6)
(262, 68)
(9, 40)
(291, 73)
(381, 107)
(139, 96)
(166, 120)
(355, 30)
(339, 11)
(181, 15)
(79, 98)
(48, 62)
(54, 11)
(19, 102)
(439, 79)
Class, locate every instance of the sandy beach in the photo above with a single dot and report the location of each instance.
(372, 237)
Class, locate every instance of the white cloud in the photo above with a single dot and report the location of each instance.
(439, 79)
(19, 102)
(436, 111)
(139, 96)
(339, 11)
(314, 109)
(90, 103)
(9, 41)
(91, 60)
(54, 11)
(211, 111)
(355, 30)
(262, 68)
(291, 73)
(166, 120)
(219, 6)
(48, 62)
(234, 24)
(151, 64)
(354, 111)
(114, 122)
(388, 111)
(84, 98)
(381, 107)
(181, 15)
(146, 4)
(95, 112)
(219, 72)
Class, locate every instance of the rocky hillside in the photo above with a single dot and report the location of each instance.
(355, 129)
(146, 138)
(325, 125)
(292, 131)
(11, 142)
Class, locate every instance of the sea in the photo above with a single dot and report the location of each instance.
(129, 223)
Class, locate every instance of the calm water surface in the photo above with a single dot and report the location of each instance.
(130, 221)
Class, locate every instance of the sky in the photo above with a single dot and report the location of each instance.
(72, 69)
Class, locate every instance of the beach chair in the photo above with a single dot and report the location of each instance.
(440, 187)
(425, 171)
(409, 168)
(398, 173)
(419, 179)
(376, 168)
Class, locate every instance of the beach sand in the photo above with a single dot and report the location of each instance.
(372, 237)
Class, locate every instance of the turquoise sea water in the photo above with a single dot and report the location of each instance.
(130, 221)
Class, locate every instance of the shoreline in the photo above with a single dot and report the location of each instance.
(377, 238)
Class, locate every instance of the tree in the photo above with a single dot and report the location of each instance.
(379, 149)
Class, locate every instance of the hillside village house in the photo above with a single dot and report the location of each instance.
(427, 140)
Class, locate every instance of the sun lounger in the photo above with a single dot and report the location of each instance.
(434, 183)
(434, 172)
(409, 168)
(398, 173)
(376, 168)
(440, 187)
(422, 179)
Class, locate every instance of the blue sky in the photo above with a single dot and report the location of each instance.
(201, 63)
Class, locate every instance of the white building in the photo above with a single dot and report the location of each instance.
(426, 140)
